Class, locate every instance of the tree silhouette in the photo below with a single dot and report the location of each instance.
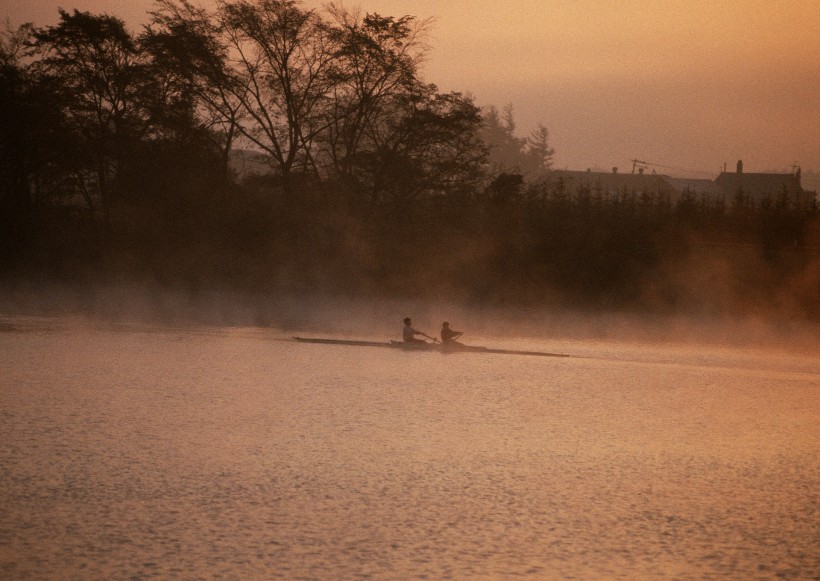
(281, 62)
(394, 187)
(101, 77)
(430, 146)
(375, 67)
(539, 153)
(187, 50)
(509, 154)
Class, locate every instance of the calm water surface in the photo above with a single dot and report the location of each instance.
(134, 452)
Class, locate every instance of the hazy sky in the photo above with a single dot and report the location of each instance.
(688, 84)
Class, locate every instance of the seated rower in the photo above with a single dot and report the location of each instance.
(409, 333)
(448, 335)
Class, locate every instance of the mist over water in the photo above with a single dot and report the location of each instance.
(324, 314)
(137, 450)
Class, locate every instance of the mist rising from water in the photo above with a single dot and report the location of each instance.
(324, 315)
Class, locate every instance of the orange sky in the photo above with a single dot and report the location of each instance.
(688, 84)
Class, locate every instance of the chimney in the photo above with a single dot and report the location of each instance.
(739, 166)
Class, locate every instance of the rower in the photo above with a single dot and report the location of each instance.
(409, 333)
(448, 335)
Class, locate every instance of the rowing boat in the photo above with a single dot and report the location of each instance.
(452, 347)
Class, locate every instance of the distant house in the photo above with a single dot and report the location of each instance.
(696, 188)
(755, 187)
(612, 185)
(761, 187)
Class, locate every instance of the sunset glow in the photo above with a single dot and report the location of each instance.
(690, 85)
(409, 289)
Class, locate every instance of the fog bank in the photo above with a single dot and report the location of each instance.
(323, 315)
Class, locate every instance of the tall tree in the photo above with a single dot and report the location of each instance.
(18, 118)
(510, 154)
(38, 148)
(538, 151)
(499, 134)
(185, 45)
(97, 65)
(376, 65)
(429, 146)
(281, 56)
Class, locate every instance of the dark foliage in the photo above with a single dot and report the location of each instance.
(378, 184)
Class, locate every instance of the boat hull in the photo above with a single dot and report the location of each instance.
(419, 346)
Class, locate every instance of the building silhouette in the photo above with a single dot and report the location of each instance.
(725, 189)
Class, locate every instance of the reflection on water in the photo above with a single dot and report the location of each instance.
(196, 453)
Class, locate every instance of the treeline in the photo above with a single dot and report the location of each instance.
(115, 154)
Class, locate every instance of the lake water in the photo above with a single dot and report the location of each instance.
(136, 452)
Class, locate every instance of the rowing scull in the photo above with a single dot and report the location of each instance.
(441, 348)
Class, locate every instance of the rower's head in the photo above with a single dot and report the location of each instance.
(407, 320)
(445, 324)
